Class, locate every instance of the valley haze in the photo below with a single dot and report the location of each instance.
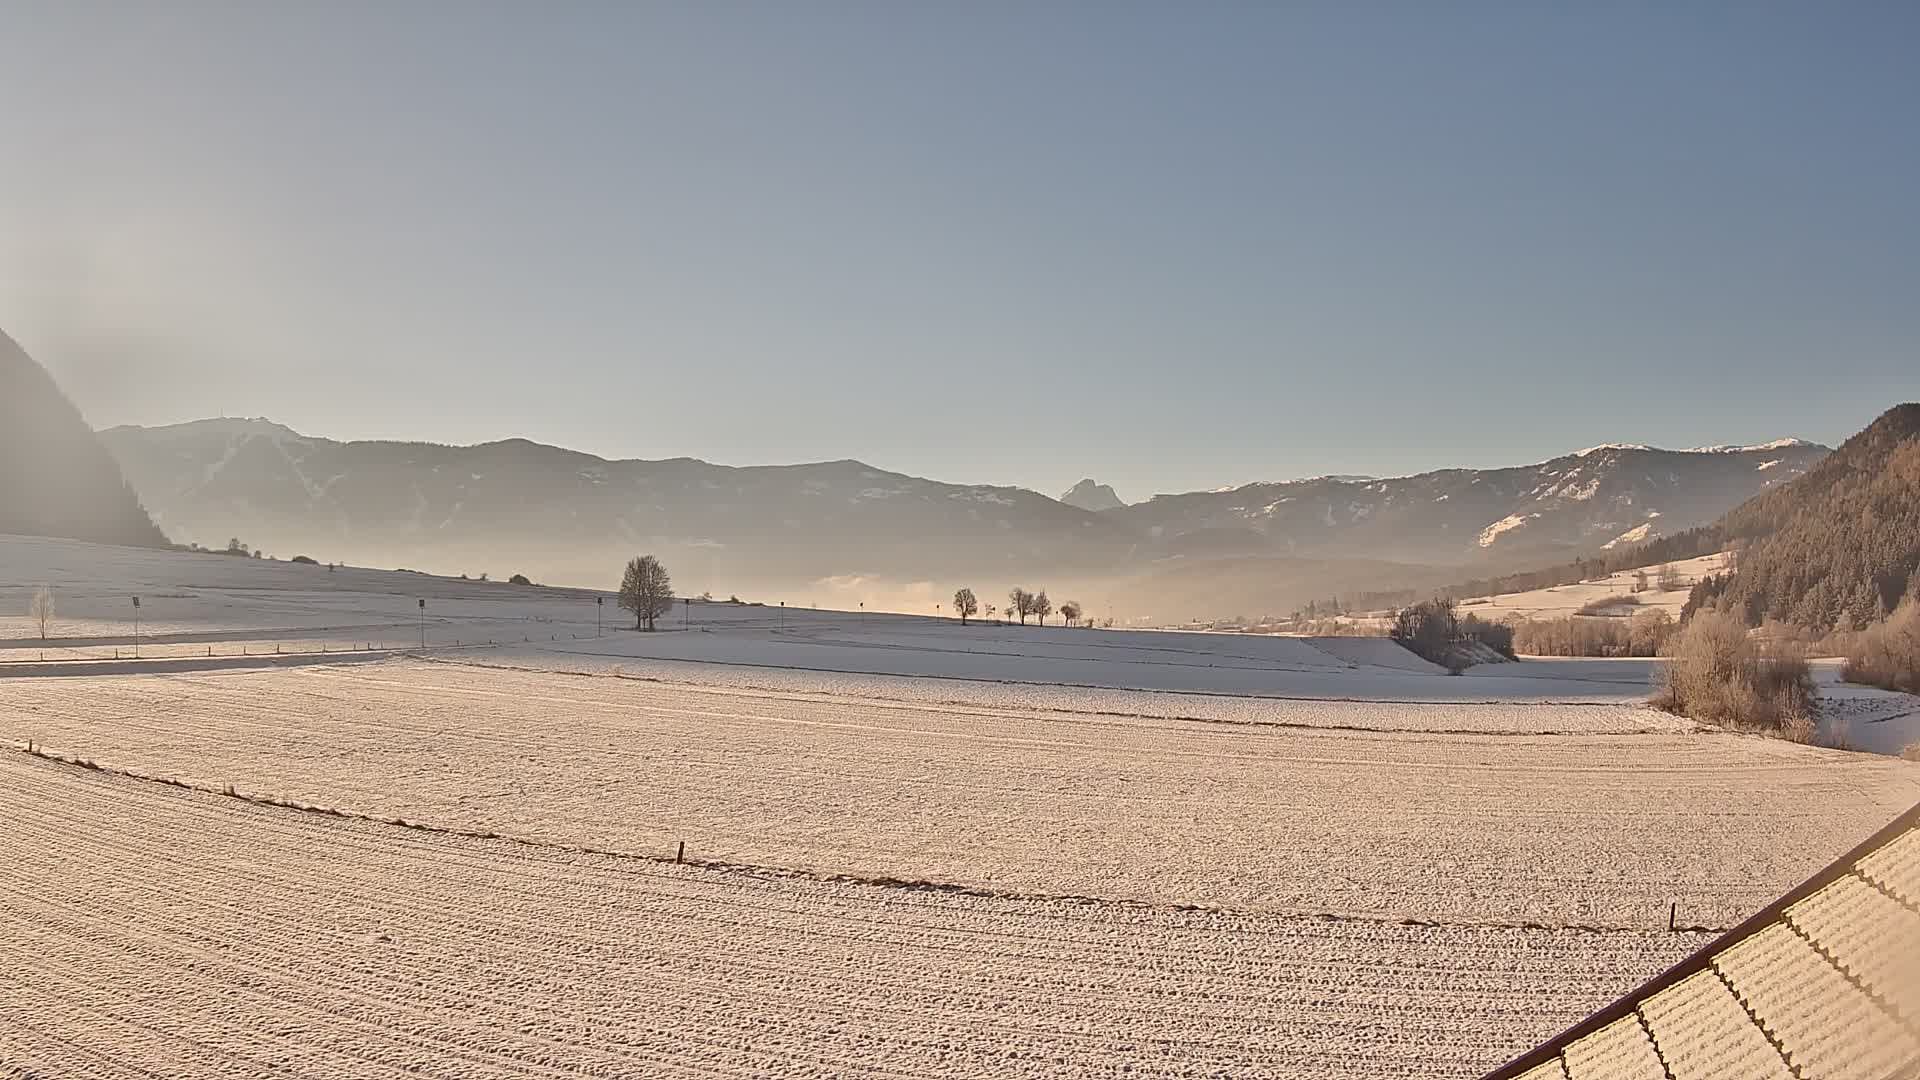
(846, 532)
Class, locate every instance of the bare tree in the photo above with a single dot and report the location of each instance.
(1042, 606)
(41, 609)
(965, 604)
(646, 590)
(1668, 578)
(1070, 611)
(1020, 602)
(987, 612)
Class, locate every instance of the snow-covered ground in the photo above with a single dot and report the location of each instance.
(1317, 809)
(150, 931)
(201, 605)
(1563, 600)
(918, 848)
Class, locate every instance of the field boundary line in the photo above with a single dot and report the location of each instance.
(1542, 703)
(76, 761)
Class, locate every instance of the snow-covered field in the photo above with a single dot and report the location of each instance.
(151, 931)
(915, 848)
(1562, 600)
(1592, 829)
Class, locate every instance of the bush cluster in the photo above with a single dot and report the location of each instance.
(1718, 673)
(1435, 631)
(1887, 655)
(1643, 635)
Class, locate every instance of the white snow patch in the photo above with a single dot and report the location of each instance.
(1777, 444)
(1611, 446)
(982, 496)
(1631, 536)
(1512, 521)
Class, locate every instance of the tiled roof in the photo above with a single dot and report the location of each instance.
(1825, 982)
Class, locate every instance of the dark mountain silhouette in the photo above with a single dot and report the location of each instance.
(55, 477)
(566, 516)
(1839, 546)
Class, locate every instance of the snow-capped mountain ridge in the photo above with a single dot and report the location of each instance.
(548, 510)
(1579, 501)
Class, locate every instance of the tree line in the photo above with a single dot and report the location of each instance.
(646, 590)
(1020, 604)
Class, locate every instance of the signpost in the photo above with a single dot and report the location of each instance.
(423, 622)
(136, 628)
(599, 609)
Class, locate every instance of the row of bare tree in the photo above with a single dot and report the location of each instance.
(647, 591)
(1020, 603)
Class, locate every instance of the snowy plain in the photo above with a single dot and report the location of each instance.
(914, 848)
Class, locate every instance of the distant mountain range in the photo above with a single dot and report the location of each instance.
(518, 506)
(55, 478)
(572, 517)
(1595, 498)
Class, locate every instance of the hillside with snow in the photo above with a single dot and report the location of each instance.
(566, 516)
(1597, 498)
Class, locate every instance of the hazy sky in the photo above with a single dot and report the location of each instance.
(1170, 246)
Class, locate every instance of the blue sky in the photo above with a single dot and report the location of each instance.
(1169, 246)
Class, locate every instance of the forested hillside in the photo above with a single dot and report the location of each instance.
(55, 477)
(1837, 547)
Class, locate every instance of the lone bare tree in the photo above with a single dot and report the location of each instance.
(41, 609)
(1020, 602)
(1042, 606)
(1668, 578)
(965, 604)
(646, 590)
(1070, 611)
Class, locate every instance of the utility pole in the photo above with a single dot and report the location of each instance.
(599, 610)
(686, 613)
(423, 622)
(136, 628)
